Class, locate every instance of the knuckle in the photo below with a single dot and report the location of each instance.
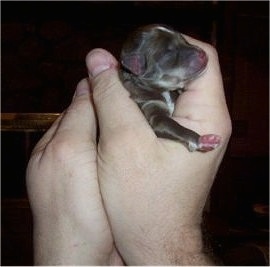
(60, 149)
(224, 129)
(227, 128)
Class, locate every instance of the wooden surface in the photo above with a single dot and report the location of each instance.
(27, 121)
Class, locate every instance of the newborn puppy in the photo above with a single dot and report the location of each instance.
(156, 64)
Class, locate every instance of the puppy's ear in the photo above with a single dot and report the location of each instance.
(134, 62)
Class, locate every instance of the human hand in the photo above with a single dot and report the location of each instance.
(70, 224)
(154, 190)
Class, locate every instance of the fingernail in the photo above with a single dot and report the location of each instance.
(98, 69)
(97, 62)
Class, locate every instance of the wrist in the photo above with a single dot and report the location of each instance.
(189, 249)
(184, 247)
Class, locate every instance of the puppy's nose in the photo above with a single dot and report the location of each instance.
(197, 62)
(202, 56)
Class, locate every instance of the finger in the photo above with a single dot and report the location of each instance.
(204, 99)
(208, 88)
(78, 123)
(46, 138)
(116, 110)
(212, 76)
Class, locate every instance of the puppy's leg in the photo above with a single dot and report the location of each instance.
(158, 116)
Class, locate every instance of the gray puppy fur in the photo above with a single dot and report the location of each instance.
(156, 64)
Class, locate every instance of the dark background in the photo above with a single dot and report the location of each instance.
(44, 45)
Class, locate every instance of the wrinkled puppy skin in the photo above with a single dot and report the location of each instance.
(156, 64)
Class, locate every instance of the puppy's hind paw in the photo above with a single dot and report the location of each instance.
(208, 142)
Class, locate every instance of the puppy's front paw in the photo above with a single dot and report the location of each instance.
(208, 142)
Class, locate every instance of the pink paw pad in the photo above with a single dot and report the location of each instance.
(209, 142)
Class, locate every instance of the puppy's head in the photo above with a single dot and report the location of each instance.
(162, 58)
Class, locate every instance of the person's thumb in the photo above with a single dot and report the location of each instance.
(116, 111)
